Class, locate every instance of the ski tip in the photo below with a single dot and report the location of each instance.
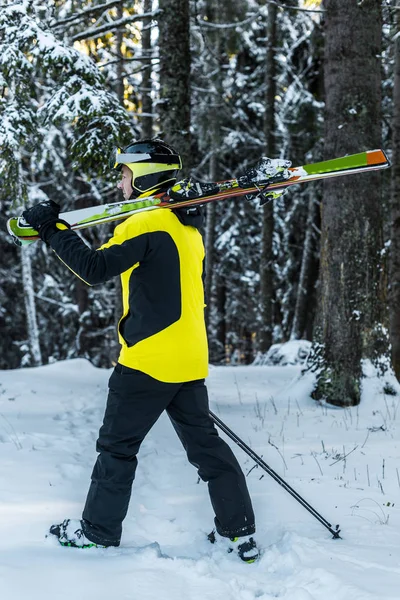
(377, 157)
(19, 241)
(14, 238)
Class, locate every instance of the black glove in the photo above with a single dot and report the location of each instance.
(44, 218)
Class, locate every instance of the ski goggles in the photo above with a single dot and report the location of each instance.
(121, 157)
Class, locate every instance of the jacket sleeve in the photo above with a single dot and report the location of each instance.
(111, 259)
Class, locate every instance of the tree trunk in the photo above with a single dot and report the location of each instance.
(352, 292)
(146, 87)
(248, 354)
(267, 226)
(175, 61)
(307, 263)
(115, 346)
(30, 308)
(28, 287)
(209, 262)
(211, 215)
(215, 102)
(120, 89)
(394, 291)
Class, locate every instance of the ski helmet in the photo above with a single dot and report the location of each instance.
(152, 162)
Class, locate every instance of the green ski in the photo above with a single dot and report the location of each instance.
(198, 194)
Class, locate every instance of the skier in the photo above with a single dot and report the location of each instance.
(164, 357)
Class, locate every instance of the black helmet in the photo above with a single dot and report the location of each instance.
(153, 164)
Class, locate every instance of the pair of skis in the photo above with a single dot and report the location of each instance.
(261, 185)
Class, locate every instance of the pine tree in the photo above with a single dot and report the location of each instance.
(53, 97)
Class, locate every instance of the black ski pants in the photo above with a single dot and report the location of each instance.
(135, 402)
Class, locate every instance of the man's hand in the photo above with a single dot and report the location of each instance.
(44, 218)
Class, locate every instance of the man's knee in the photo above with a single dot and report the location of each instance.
(214, 459)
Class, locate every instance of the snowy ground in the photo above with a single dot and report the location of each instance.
(346, 463)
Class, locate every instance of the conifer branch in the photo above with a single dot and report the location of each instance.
(113, 26)
(88, 12)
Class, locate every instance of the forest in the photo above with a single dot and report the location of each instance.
(225, 82)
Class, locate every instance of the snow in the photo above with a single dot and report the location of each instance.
(344, 462)
(291, 353)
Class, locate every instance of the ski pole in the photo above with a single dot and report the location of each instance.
(335, 532)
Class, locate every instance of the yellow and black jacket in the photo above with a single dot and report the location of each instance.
(160, 260)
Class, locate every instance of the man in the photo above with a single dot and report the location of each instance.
(164, 357)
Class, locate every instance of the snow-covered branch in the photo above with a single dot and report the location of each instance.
(202, 24)
(87, 12)
(113, 26)
(208, 25)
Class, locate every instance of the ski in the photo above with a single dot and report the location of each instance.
(184, 194)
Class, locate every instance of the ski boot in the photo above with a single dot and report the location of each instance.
(245, 546)
(70, 533)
